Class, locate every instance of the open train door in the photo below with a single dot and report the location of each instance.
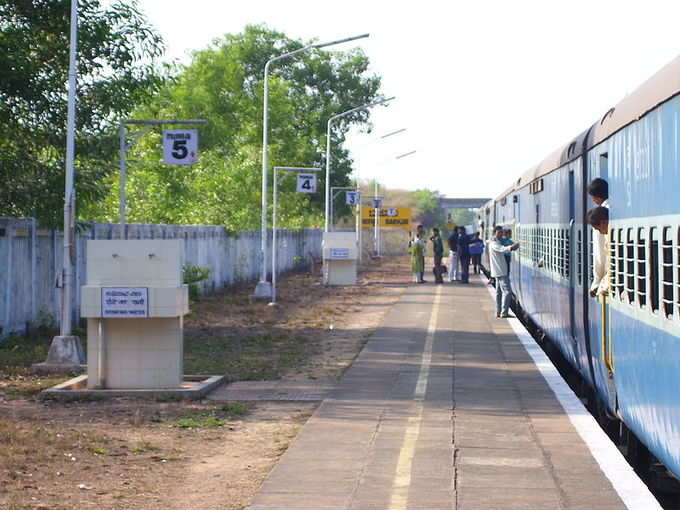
(572, 259)
(516, 222)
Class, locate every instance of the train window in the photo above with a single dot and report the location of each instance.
(653, 270)
(667, 272)
(641, 268)
(621, 264)
(613, 263)
(604, 165)
(630, 266)
(567, 255)
(579, 257)
(676, 263)
(591, 262)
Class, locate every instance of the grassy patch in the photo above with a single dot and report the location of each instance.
(243, 358)
(210, 418)
(20, 383)
(145, 447)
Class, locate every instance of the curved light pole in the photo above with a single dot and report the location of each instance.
(359, 224)
(328, 147)
(376, 231)
(263, 289)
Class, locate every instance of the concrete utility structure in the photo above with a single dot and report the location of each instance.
(340, 253)
(134, 302)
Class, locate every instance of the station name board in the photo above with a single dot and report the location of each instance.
(389, 217)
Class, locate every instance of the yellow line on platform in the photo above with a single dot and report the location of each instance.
(402, 477)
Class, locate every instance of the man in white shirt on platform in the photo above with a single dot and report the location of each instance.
(598, 190)
(499, 271)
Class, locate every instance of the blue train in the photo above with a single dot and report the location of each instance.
(626, 348)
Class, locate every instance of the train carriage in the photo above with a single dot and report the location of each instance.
(627, 346)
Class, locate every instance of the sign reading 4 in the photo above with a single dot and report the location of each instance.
(306, 183)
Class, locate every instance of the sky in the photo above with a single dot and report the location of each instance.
(484, 89)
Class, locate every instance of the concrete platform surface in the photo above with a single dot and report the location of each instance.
(443, 409)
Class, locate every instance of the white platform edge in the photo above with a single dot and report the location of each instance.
(628, 485)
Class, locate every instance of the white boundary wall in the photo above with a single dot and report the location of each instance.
(31, 261)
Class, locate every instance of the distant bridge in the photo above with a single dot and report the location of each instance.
(462, 203)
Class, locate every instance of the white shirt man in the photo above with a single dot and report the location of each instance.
(499, 271)
(600, 283)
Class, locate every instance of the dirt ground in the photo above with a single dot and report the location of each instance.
(143, 454)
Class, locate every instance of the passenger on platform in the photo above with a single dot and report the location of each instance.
(499, 271)
(464, 255)
(438, 251)
(417, 246)
(598, 190)
(453, 255)
(476, 250)
(598, 218)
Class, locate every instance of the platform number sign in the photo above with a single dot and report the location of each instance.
(306, 183)
(351, 197)
(180, 146)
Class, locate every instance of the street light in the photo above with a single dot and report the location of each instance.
(65, 349)
(263, 288)
(328, 146)
(376, 229)
(360, 226)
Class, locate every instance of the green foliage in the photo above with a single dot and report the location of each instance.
(117, 51)
(462, 217)
(224, 85)
(193, 275)
(429, 213)
(210, 418)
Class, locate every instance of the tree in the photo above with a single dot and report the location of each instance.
(428, 211)
(462, 217)
(224, 85)
(117, 52)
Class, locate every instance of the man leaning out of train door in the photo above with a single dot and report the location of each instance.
(598, 218)
(499, 271)
(598, 190)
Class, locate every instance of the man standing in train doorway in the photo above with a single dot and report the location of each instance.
(598, 190)
(598, 218)
(499, 271)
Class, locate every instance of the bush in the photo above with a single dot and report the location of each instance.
(192, 275)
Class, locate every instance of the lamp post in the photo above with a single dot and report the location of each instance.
(328, 147)
(278, 169)
(376, 232)
(359, 215)
(263, 290)
(65, 351)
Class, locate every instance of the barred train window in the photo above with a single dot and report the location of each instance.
(641, 268)
(579, 257)
(567, 255)
(613, 263)
(653, 270)
(621, 264)
(630, 266)
(591, 261)
(677, 265)
(667, 272)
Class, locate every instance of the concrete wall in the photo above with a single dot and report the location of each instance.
(31, 261)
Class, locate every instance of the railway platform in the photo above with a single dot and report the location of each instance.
(449, 407)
